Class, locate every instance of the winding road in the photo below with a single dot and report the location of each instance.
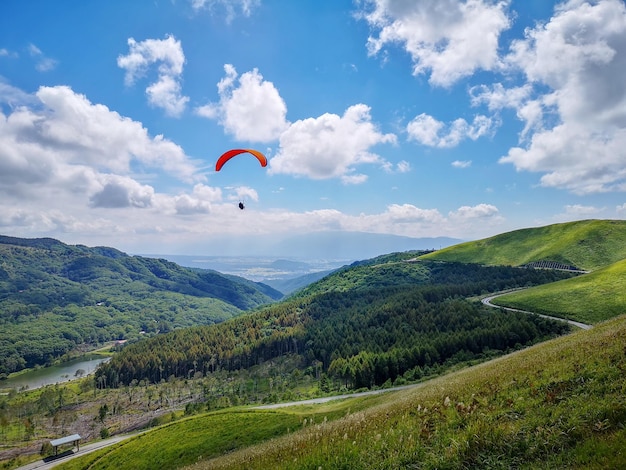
(487, 301)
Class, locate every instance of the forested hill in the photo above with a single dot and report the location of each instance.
(364, 325)
(586, 245)
(55, 297)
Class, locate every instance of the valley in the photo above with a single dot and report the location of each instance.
(492, 380)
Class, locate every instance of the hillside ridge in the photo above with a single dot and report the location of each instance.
(586, 245)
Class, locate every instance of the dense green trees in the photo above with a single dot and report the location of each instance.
(55, 297)
(363, 335)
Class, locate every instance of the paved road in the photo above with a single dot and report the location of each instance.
(84, 449)
(314, 401)
(487, 301)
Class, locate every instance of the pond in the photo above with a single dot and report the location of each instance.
(64, 372)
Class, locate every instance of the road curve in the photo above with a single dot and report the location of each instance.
(316, 401)
(487, 301)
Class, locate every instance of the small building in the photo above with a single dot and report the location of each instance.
(74, 439)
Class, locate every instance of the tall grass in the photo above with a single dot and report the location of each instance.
(561, 404)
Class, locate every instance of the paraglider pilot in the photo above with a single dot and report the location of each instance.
(241, 206)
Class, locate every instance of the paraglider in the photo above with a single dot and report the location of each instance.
(234, 152)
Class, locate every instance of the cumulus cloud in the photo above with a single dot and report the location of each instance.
(480, 211)
(250, 108)
(70, 169)
(66, 144)
(451, 39)
(198, 202)
(330, 146)
(428, 131)
(119, 191)
(577, 129)
(399, 219)
(165, 92)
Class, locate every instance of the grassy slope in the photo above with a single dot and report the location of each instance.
(556, 405)
(587, 244)
(590, 298)
(559, 404)
(597, 245)
(210, 435)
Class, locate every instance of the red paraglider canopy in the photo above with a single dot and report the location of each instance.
(231, 153)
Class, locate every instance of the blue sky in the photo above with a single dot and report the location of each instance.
(458, 118)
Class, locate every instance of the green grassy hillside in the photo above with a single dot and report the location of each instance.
(587, 244)
(591, 298)
(555, 405)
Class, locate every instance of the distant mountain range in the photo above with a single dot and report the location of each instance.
(330, 245)
(356, 245)
(274, 260)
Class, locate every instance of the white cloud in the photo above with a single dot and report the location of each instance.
(65, 145)
(403, 166)
(231, 7)
(199, 202)
(44, 64)
(119, 191)
(480, 211)
(461, 163)
(399, 219)
(450, 38)
(428, 131)
(330, 146)
(498, 97)
(581, 211)
(15, 97)
(579, 125)
(621, 209)
(250, 108)
(165, 92)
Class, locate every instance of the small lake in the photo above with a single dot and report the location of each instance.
(54, 374)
